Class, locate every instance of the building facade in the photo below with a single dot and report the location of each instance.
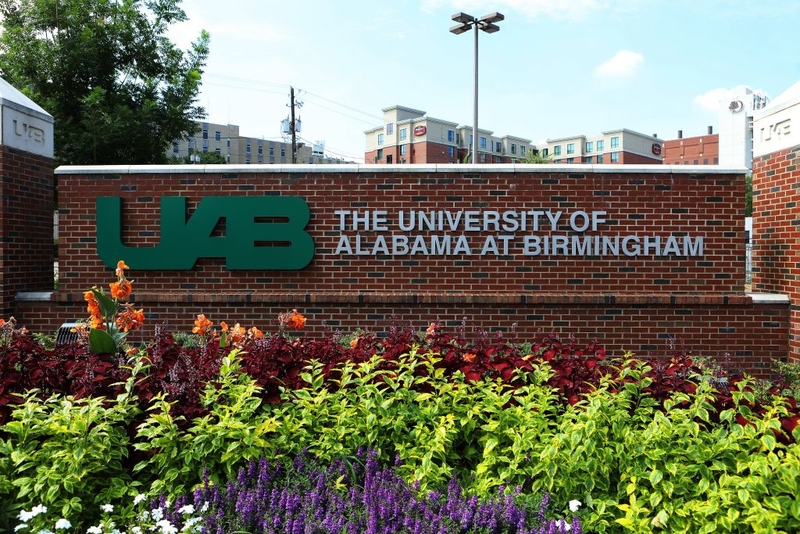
(225, 140)
(612, 147)
(698, 150)
(410, 136)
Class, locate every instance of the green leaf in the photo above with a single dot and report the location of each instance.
(655, 477)
(100, 342)
(108, 306)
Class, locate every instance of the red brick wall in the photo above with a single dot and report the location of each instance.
(776, 230)
(26, 224)
(659, 204)
(629, 158)
(644, 304)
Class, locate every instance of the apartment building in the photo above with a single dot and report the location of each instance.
(225, 140)
(410, 136)
(612, 147)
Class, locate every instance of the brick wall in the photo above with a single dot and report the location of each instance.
(776, 230)
(26, 224)
(646, 304)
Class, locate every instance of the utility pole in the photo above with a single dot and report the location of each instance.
(292, 126)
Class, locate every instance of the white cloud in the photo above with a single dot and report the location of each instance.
(623, 63)
(560, 10)
(710, 100)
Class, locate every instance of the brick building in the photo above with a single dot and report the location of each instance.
(698, 150)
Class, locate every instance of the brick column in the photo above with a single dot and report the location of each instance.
(776, 206)
(28, 200)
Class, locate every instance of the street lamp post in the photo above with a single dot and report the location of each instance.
(485, 23)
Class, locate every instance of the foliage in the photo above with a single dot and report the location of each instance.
(203, 158)
(536, 157)
(110, 319)
(119, 90)
(67, 454)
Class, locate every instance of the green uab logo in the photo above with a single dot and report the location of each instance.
(249, 232)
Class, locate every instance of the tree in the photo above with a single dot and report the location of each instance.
(118, 89)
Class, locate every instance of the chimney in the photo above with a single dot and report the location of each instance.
(710, 130)
(680, 134)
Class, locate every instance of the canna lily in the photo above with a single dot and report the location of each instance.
(202, 325)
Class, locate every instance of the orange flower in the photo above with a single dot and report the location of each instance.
(121, 269)
(296, 321)
(470, 356)
(255, 333)
(130, 319)
(201, 325)
(431, 329)
(353, 342)
(121, 290)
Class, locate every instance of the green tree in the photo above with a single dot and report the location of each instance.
(748, 198)
(118, 89)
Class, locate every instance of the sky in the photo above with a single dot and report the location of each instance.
(556, 68)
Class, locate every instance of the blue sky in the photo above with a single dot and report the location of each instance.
(556, 67)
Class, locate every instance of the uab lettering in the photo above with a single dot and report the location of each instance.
(259, 233)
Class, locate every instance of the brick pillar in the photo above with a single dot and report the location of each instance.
(776, 205)
(28, 199)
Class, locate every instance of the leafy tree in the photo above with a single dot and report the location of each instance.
(119, 90)
(748, 199)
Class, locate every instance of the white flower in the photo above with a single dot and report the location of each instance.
(94, 530)
(20, 526)
(574, 504)
(36, 510)
(166, 527)
(204, 508)
(107, 508)
(63, 524)
(563, 526)
(139, 498)
(157, 514)
(188, 509)
(45, 531)
(136, 530)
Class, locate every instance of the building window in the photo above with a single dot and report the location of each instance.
(599, 157)
(470, 139)
(403, 134)
(589, 146)
(521, 150)
(483, 143)
(260, 149)
(217, 136)
(403, 150)
(601, 145)
(271, 151)
(587, 159)
(615, 157)
(390, 128)
(557, 150)
(483, 158)
(451, 152)
(205, 133)
(545, 152)
(513, 148)
(247, 159)
(380, 154)
(570, 160)
(451, 136)
(174, 147)
(615, 142)
(247, 149)
(570, 148)
(380, 139)
(498, 148)
(283, 151)
(218, 151)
